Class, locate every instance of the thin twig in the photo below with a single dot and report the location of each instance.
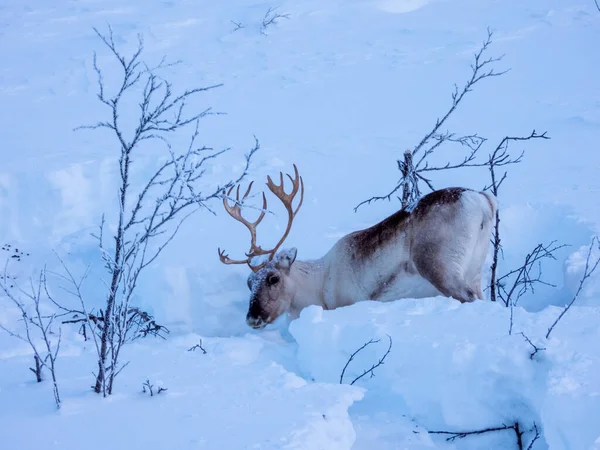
(525, 280)
(535, 437)
(453, 435)
(373, 367)
(500, 158)
(271, 18)
(199, 345)
(589, 270)
(238, 25)
(536, 349)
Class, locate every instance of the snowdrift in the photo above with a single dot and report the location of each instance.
(233, 397)
(454, 367)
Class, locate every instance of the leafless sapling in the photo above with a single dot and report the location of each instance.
(373, 367)
(39, 330)
(271, 18)
(414, 166)
(148, 387)
(500, 157)
(149, 218)
(199, 346)
(590, 268)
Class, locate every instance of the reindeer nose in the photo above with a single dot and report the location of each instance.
(255, 322)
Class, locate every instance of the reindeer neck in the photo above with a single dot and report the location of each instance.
(308, 277)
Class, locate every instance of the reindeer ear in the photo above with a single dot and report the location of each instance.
(285, 258)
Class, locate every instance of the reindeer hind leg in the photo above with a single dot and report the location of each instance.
(443, 271)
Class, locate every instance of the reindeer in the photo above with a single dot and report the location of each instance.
(438, 247)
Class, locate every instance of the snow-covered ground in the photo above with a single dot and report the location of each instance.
(340, 88)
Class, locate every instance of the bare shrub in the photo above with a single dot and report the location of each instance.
(148, 387)
(39, 329)
(148, 218)
(271, 18)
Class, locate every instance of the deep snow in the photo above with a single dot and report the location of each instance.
(340, 88)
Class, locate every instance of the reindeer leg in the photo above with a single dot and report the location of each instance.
(442, 268)
(449, 284)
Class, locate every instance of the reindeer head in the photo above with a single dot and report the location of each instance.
(271, 287)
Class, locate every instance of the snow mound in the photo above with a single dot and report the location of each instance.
(455, 367)
(232, 397)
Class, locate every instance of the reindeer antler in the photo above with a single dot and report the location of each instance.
(235, 212)
(287, 200)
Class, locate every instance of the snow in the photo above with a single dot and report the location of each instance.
(455, 367)
(341, 88)
(226, 396)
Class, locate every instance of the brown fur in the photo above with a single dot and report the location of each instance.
(446, 196)
(364, 243)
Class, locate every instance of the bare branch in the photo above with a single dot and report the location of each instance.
(387, 196)
(590, 268)
(525, 278)
(453, 435)
(516, 428)
(500, 158)
(480, 71)
(199, 345)
(535, 437)
(238, 25)
(536, 349)
(373, 367)
(271, 18)
(150, 387)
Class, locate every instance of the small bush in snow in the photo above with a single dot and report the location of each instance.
(147, 387)
(271, 18)
(147, 219)
(197, 346)
(39, 331)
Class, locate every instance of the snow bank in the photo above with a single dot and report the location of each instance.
(233, 397)
(454, 367)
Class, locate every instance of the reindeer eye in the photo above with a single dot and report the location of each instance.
(272, 279)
